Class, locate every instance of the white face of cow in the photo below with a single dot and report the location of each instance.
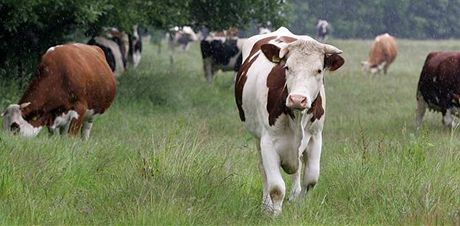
(305, 63)
(14, 122)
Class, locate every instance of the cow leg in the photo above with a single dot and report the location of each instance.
(76, 124)
(296, 187)
(420, 112)
(311, 159)
(266, 200)
(207, 66)
(275, 183)
(448, 119)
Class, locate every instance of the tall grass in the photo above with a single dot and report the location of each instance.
(171, 150)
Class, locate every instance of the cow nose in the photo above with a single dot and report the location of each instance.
(14, 128)
(298, 102)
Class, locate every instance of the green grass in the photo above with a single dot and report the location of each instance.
(172, 151)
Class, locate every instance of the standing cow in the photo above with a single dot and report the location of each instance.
(322, 30)
(280, 96)
(220, 54)
(439, 87)
(382, 53)
(73, 84)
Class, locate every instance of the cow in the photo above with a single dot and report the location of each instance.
(439, 87)
(181, 37)
(135, 47)
(382, 53)
(113, 54)
(280, 96)
(72, 85)
(220, 53)
(122, 50)
(322, 30)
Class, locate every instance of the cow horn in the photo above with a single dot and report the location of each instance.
(329, 49)
(24, 105)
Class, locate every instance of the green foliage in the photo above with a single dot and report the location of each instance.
(415, 19)
(29, 27)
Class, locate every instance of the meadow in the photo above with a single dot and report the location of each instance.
(172, 151)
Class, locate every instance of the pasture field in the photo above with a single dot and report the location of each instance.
(172, 151)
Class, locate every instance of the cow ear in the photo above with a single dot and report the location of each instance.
(333, 62)
(273, 53)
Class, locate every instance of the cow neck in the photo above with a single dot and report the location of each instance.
(241, 77)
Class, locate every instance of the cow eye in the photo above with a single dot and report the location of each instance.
(319, 71)
(286, 68)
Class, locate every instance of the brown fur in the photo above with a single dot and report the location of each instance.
(69, 78)
(316, 108)
(241, 76)
(439, 82)
(383, 49)
(277, 94)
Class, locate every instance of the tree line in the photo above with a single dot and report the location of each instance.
(411, 19)
(29, 27)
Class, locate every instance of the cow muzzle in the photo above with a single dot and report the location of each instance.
(14, 128)
(297, 102)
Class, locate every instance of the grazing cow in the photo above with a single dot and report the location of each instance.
(322, 30)
(73, 84)
(220, 53)
(382, 53)
(439, 87)
(279, 92)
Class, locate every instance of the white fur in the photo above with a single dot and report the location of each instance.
(291, 142)
(113, 46)
(12, 115)
(62, 123)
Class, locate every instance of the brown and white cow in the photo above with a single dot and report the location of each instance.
(280, 96)
(382, 53)
(439, 87)
(73, 84)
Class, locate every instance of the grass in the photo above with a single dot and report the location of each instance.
(172, 151)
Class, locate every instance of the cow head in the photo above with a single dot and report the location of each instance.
(14, 122)
(373, 69)
(304, 65)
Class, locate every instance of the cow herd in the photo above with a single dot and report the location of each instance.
(279, 92)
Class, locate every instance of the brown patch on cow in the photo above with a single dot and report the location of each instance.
(277, 94)
(316, 109)
(276, 194)
(71, 77)
(239, 85)
(241, 76)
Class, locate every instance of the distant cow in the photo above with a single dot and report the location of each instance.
(220, 54)
(382, 53)
(135, 47)
(181, 37)
(121, 50)
(280, 96)
(73, 84)
(322, 30)
(113, 54)
(439, 87)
